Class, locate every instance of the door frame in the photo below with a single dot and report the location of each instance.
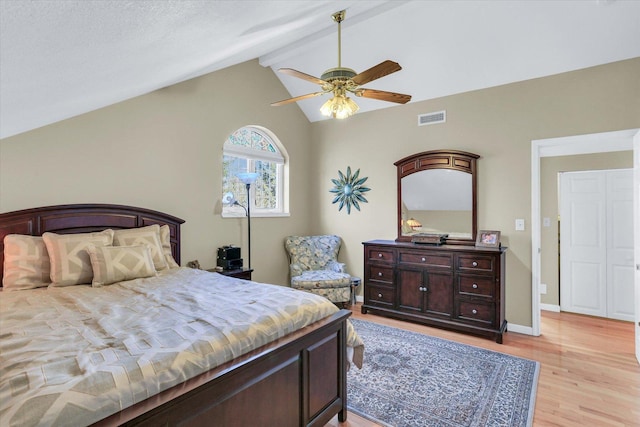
(577, 144)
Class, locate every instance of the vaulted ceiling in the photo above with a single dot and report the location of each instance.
(61, 58)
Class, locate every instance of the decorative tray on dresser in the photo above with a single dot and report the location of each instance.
(456, 287)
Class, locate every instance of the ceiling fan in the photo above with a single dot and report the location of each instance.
(341, 80)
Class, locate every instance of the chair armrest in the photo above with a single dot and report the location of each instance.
(338, 267)
(295, 270)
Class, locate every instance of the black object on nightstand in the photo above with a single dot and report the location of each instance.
(238, 273)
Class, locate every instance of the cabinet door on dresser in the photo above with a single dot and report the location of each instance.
(425, 282)
(410, 290)
(425, 292)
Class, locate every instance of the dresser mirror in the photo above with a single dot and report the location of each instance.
(437, 196)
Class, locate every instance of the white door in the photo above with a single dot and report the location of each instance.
(583, 243)
(620, 270)
(596, 244)
(636, 225)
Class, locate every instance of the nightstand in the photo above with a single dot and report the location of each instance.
(238, 273)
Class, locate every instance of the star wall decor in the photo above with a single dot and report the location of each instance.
(348, 190)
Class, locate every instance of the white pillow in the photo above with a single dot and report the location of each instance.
(70, 263)
(149, 235)
(26, 263)
(117, 263)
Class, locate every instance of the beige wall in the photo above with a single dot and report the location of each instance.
(498, 124)
(163, 151)
(549, 169)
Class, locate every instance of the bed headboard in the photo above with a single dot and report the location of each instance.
(84, 218)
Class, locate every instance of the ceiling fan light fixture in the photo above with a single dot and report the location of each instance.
(339, 107)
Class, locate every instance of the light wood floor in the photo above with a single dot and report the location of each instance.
(589, 375)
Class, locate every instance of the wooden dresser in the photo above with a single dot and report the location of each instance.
(450, 286)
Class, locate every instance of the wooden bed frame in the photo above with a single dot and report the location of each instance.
(298, 380)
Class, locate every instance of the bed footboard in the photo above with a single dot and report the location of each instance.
(299, 380)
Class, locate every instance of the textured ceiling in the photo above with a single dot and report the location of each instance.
(61, 58)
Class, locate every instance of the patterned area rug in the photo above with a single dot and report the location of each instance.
(410, 379)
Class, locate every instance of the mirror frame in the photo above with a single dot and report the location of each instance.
(440, 159)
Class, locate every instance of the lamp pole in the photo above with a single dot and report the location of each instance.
(249, 221)
(248, 178)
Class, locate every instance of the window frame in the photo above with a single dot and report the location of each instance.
(253, 155)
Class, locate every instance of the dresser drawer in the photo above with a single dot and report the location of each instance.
(479, 263)
(380, 295)
(476, 312)
(381, 274)
(385, 255)
(482, 286)
(431, 259)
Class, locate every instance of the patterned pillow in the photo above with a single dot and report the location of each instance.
(26, 263)
(70, 263)
(117, 263)
(165, 238)
(149, 235)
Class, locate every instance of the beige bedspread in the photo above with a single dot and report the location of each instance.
(74, 355)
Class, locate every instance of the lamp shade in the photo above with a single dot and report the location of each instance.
(414, 223)
(247, 177)
(339, 107)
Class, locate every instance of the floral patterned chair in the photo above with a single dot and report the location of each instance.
(314, 267)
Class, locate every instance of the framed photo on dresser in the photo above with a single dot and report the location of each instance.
(488, 239)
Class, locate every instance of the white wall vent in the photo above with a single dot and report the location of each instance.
(432, 118)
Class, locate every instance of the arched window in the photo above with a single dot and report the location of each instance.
(255, 149)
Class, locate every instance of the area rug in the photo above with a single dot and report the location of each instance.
(411, 379)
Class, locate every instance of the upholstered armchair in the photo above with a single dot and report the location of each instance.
(314, 267)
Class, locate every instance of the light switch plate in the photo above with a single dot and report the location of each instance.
(546, 222)
(519, 224)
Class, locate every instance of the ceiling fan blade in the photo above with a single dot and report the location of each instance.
(303, 76)
(383, 96)
(382, 69)
(297, 98)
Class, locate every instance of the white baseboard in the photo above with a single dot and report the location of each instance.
(526, 330)
(550, 307)
(359, 298)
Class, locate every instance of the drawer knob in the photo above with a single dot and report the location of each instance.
(379, 274)
(379, 255)
(423, 259)
(379, 295)
(474, 311)
(474, 286)
(475, 264)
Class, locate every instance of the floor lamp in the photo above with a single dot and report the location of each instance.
(247, 179)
